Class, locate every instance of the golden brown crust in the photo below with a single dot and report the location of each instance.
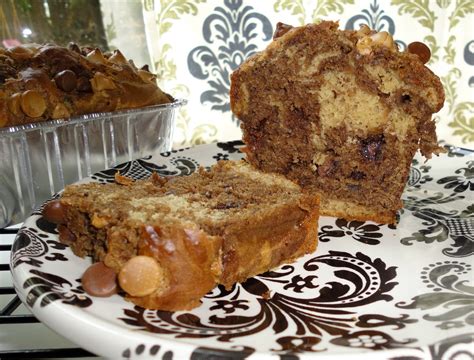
(341, 113)
(68, 82)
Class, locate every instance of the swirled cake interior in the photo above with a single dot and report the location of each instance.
(340, 112)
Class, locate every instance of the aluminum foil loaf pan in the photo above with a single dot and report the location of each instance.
(37, 160)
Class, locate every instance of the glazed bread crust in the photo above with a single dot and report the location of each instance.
(342, 113)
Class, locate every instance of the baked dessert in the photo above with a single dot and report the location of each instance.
(45, 82)
(340, 112)
(171, 240)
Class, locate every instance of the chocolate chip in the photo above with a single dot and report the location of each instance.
(145, 67)
(421, 50)
(357, 175)
(66, 80)
(99, 280)
(84, 85)
(406, 98)
(281, 29)
(371, 147)
(54, 212)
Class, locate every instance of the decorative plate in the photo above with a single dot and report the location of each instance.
(370, 290)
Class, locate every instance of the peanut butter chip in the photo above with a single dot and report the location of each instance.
(98, 222)
(33, 103)
(99, 280)
(140, 276)
(14, 104)
(421, 50)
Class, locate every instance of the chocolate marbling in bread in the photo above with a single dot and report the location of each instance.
(171, 240)
(340, 112)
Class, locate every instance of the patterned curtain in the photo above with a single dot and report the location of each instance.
(195, 44)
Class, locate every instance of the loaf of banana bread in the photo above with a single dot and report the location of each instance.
(169, 241)
(46, 82)
(341, 112)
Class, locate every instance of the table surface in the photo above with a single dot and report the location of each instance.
(21, 334)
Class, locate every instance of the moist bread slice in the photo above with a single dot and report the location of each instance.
(342, 113)
(220, 226)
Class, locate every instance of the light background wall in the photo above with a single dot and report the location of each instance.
(194, 45)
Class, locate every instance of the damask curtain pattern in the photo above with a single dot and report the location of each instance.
(196, 44)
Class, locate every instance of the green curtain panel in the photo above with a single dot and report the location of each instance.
(194, 45)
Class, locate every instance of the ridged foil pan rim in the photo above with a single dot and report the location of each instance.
(52, 124)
